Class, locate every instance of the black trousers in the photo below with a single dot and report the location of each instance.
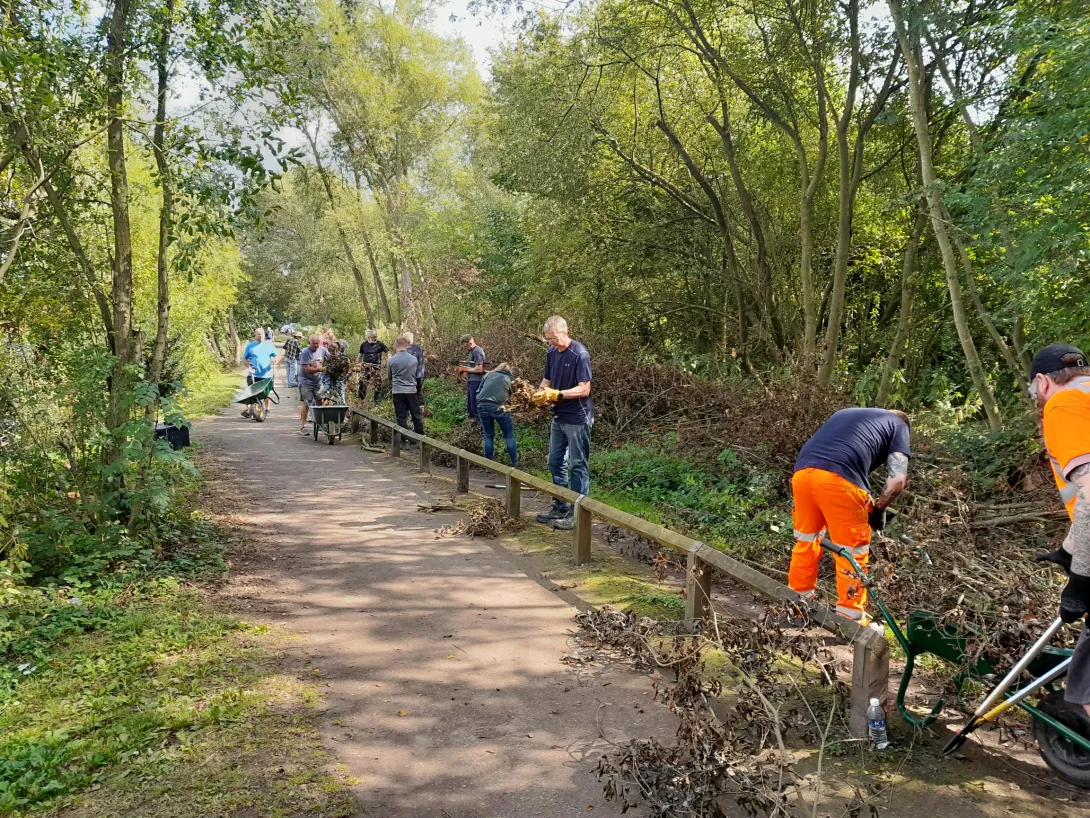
(406, 405)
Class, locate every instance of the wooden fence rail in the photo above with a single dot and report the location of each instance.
(870, 666)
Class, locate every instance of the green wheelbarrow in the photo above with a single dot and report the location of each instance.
(253, 395)
(329, 420)
(1062, 730)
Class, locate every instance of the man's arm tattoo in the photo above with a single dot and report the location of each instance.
(897, 465)
(1080, 521)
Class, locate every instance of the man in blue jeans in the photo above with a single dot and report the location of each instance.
(567, 386)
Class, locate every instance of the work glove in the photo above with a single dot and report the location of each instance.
(1075, 599)
(544, 396)
(877, 518)
(1060, 556)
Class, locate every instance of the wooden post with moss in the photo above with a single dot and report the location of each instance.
(463, 475)
(583, 520)
(698, 587)
(372, 434)
(514, 497)
(425, 458)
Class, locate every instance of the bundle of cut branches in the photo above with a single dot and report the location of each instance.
(488, 519)
(337, 367)
(740, 755)
(521, 401)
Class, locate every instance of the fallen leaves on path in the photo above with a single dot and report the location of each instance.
(487, 519)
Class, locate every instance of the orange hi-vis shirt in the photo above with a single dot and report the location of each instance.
(1067, 435)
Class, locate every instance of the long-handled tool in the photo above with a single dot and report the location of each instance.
(1001, 688)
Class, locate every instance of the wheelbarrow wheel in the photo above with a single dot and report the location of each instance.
(258, 412)
(331, 432)
(1067, 759)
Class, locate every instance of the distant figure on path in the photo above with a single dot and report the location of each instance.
(371, 352)
(473, 366)
(402, 367)
(494, 392)
(260, 355)
(292, 349)
(310, 362)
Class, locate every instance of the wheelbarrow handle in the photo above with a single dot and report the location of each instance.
(1019, 666)
(1026, 691)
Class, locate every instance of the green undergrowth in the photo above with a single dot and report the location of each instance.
(135, 695)
(210, 395)
(721, 500)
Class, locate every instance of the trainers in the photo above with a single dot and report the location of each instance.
(566, 523)
(550, 516)
(304, 431)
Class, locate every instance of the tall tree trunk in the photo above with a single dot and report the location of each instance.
(909, 49)
(125, 346)
(346, 245)
(1018, 338)
(764, 269)
(378, 278)
(232, 328)
(396, 272)
(429, 305)
(166, 183)
(985, 318)
(904, 320)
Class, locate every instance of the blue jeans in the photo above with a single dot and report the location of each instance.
(293, 372)
(490, 414)
(569, 447)
(471, 400)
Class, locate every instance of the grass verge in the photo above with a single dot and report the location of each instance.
(211, 395)
(139, 697)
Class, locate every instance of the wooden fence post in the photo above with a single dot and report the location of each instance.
(583, 519)
(698, 587)
(514, 497)
(425, 458)
(463, 476)
(870, 678)
(372, 435)
(395, 443)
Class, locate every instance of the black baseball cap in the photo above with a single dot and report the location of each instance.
(1055, 357)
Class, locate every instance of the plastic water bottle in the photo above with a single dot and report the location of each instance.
(876, 723)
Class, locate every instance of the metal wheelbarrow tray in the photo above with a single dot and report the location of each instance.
(329, 420)
(254, 394)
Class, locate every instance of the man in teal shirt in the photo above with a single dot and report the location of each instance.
(260, 354)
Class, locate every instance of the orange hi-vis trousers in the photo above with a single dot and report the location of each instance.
(824, 500)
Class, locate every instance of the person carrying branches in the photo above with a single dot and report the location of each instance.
(566, 386)
(1060, 385)
(830, 490)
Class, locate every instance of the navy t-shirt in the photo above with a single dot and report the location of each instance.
(854, 442)
(566, 370)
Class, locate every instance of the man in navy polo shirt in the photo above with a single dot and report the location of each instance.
(567, 386)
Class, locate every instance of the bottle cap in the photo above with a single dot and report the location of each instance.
(875, 703)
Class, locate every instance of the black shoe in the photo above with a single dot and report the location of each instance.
(550, 516)
(566, 523)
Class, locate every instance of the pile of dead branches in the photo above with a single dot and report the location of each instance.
(487, 519)
(736, 751)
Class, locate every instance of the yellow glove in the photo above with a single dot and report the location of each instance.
(544, 396)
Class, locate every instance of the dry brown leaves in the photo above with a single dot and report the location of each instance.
(737, 751)
(521, 401)
(487, 519)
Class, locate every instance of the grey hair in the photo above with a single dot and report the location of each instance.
(259, 332)
(315, 337)
(408, 336)
(556, 322)
(465, 339)
(371, 333)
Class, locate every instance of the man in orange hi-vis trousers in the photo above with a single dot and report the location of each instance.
(831, 492)
(1061, 386)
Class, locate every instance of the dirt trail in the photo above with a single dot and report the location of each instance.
(446, 695)
(445, 692)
